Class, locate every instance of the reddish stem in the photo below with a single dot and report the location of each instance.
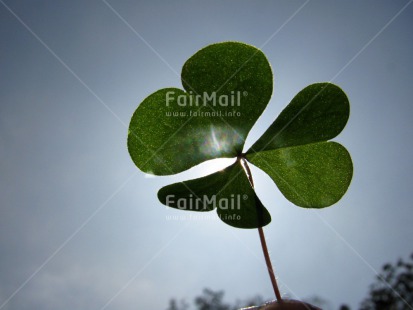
(269, 265)
(262, 239)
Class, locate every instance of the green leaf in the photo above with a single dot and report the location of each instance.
(232, 68)
(317, 113)
(162, 140)
(228, 191)
(228, 86)
(312, 176)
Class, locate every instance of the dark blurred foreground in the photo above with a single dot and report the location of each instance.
(392, 290)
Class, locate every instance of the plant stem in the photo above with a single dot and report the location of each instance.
(262, 239)
(269, 265)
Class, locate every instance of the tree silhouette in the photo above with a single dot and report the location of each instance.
(393, 289)
(213, 300)
(173, 305)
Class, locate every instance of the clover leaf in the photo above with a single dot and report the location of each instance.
(309, 172)
(229, 191)
(227, 86)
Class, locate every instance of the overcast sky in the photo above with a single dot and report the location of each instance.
(81, 227)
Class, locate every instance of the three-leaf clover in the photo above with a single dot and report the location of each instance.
(227, 86)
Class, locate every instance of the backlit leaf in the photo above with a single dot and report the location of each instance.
(312, 175)
(228, 191)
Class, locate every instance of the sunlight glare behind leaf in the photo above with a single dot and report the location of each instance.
(214, 165)
(219, 140)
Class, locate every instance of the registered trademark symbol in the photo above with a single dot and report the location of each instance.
(245, 196)
(245, 93)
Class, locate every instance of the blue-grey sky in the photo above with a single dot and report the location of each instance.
(81, 226)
